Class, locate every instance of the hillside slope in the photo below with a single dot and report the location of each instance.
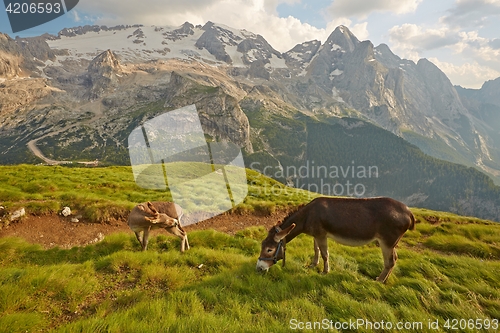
(447, 268)
(445, 272)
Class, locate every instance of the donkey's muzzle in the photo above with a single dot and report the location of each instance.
(262, 266)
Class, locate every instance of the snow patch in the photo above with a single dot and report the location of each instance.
(335, 47)
(277, 62)
(334, 73)
(157, 43)
(236, 57)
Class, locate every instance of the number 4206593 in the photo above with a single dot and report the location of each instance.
(472, 324)
(33, 8)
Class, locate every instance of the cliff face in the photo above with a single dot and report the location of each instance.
(10, 57)
(484, 107)
(10, 65)
(24, 56)
(415, 100)
(104, 72)
(220, 113)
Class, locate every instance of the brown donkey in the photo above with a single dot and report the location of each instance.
(148, 216)
(353, 222)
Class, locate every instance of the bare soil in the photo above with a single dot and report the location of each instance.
(57, 231)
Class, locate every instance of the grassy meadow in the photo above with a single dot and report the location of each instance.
(101, 194)
(446, 279)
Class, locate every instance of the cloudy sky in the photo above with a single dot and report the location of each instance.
(462, 37)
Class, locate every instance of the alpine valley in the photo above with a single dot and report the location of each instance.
(335, 116)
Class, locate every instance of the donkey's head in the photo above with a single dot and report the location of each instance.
(161, 219)
(273, 247)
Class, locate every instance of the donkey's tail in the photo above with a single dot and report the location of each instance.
(412, 223)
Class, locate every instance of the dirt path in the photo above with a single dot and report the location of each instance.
(54, 230)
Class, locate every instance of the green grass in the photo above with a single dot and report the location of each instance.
(113, 287)
(101, 194)
(447, 268)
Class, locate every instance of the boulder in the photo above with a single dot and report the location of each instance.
(18, 214)
(66, 211)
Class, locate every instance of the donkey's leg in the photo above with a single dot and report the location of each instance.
(138, 235)
(316, 255)
(323, 247)
(181, 234)
(185, 240)
(390, 258)
(145, 239)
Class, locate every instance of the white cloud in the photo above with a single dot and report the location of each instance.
(472, 13)
(410, 40)
(74, 15)
(362, 8)
(479, 56)
(481, 49)
(468, 75)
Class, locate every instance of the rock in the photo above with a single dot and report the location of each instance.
(18, 214)
(66, 212)
(185, 30)
(104, 71)
(214, 40)
(75, 220)
(220, 114)
(9, 65)
(302, 54)
(99, 238)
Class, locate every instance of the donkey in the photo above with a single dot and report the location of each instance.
(348, 221)
(147, 216)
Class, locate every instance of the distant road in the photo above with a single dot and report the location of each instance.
(34, 149)
(38, 153)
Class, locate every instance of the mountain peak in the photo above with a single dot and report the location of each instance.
(106, 60)
(385, 56)
(104, 71)
(343, 38)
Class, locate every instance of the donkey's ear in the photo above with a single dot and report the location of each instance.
(153, 209)
(283, 233)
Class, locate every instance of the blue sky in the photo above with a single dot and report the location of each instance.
(462, 37)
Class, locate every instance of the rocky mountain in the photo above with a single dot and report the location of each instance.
(78, 95)
(484, 108)
(487, 94)
(104, 72)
